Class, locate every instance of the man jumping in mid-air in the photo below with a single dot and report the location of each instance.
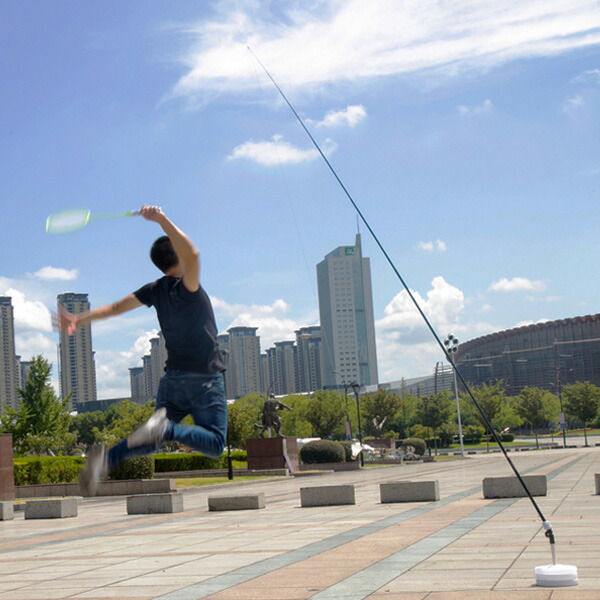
(193, 381)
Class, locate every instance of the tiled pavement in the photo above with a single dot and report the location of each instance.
(459, 548)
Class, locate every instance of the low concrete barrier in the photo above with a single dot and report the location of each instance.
(239, 502)
(150, 504)
(597, 480)
(510, 487)
(327, 495)
(409, 491)
(7, 512)
(51, 508)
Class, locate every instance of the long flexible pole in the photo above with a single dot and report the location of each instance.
(548, 528)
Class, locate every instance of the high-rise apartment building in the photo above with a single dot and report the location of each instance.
(346, 314)
(281, 360)
(308, 359)
(158, 360)
(9, 373)
(243, 375)
(77, 365)
(138, 385)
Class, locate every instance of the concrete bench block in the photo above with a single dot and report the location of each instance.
(51, 508)
(6, 511)
(510, 487)
(241, 502)
(150, 504)
(327, 495)
(409, 491)
(597, 480)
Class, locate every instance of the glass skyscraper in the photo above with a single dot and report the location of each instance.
(348, 352)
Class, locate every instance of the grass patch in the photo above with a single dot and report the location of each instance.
(198, 481)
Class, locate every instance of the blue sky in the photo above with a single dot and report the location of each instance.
(466, 131)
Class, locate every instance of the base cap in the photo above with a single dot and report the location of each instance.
(556, 575)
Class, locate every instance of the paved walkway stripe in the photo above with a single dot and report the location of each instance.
(452, 532)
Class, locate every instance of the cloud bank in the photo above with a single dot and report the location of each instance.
(334, 42)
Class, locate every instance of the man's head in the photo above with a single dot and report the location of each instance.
(163, 255)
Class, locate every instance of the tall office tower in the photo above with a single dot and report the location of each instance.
(243, 375)
(77, 365)
(282, 368)
(137, 383)
(346, 313)
(308, 358)
(158, 359)
(264, 373)
(9, 374)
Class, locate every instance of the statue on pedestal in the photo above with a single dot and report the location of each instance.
(270, 418)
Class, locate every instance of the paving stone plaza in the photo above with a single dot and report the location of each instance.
(460, 547)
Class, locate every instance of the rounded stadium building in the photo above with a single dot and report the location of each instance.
(546, 355)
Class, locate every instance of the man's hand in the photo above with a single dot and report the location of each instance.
(152, 213)
(64, 321)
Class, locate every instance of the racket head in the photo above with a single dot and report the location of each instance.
(68, 220)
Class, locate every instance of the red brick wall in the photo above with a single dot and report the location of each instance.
(7, 480)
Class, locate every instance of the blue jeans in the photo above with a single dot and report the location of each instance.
(184, 393)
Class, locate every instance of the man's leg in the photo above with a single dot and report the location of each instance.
(205, 401)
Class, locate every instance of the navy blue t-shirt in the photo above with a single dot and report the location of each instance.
(187, 323)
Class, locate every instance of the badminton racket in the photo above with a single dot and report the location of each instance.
(73, 219)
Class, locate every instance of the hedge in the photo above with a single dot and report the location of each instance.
(166, 463)
(137, 467)
(417, 443)
(32, 470)
(322, 451)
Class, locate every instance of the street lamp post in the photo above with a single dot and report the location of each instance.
(355, 387)
(451, 344)
(225, 355)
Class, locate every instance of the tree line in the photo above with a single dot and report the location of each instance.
(43, 425)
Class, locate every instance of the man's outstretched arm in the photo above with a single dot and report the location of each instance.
(68, 322)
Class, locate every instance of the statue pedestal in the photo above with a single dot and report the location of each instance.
(7, 479)
(272, 453)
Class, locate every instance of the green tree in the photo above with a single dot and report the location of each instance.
(244, 413)
(83, 424)
(537, 406)
(293, 423)
(121, 420)
(379, 405)
(325, 412)
(434, 411)
(41, 423)
(406, 416)
(582, 401)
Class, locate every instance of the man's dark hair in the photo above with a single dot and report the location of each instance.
(162, 254)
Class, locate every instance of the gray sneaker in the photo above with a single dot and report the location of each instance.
(152, 432)
(95, 468)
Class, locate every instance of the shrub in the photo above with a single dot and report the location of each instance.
(322, 451)
(473, 434)
(138, 467)
(417, 443)
(507, 437)
(47, 469)
(347, 446)
(165, 463)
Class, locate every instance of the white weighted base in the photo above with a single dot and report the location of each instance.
(556, 575)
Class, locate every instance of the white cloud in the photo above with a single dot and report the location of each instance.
(313, 45)
(35, 342)
(593, 75)
(273, 325)
(517, 284)
(573, 104)
(351, 116)
(485, 107)
(29, 314)
(525, 323)
(53, 273)
(438, 245)
(277, 152)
